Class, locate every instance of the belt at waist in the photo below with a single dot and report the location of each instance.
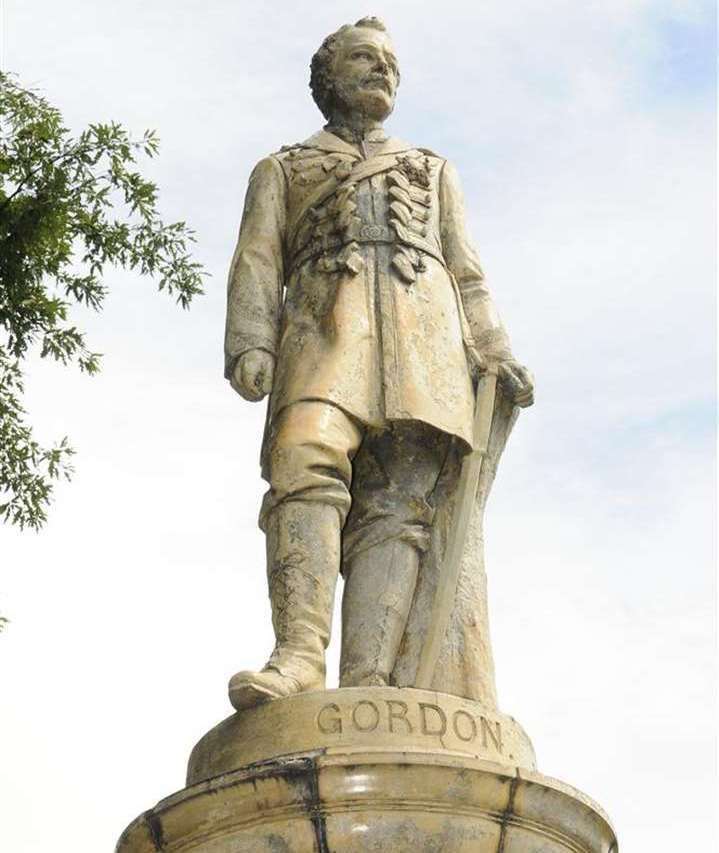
(368, 234)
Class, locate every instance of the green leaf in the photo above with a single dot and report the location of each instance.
(69, 205)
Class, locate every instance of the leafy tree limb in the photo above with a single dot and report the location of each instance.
(69, 206)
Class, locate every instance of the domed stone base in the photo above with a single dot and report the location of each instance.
(400, 770)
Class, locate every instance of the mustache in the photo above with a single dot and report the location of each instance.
(382, 79)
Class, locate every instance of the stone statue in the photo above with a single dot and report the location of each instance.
(357, 302)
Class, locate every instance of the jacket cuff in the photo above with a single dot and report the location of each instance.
(494, 345)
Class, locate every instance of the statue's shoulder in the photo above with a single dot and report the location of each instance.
(428, 152)
(291, 161)
(265, 174)
(311, 162)
(313, 153)
(401, 146)
(421, 166)
(289, 152)
(418, 163)
(317, 144)
(285, 154)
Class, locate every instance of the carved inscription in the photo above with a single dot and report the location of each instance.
(328, 720)
(369, 717)
(393, 716)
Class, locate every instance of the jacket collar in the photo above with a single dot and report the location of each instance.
(323, 140)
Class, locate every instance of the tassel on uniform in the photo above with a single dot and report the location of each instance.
(403, 265)
(351, 259)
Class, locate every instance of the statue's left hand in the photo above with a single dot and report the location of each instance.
(517, 382)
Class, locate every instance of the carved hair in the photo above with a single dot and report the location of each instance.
(321, 81)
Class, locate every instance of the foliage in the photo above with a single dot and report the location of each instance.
(69, 206)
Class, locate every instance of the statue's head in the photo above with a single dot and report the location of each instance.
(355, 71)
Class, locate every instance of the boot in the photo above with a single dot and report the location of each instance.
(303, 557)
(379, 587)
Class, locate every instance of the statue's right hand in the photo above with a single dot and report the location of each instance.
(253, 374)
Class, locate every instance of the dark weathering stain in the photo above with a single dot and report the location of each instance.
(507, 814)
(303, 775)
(313, 804)
(155, 828)
(277, 844)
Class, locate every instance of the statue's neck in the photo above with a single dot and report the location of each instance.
(354, 128)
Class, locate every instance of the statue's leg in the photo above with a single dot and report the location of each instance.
(395, 473)
(375, 605)
(310, 470)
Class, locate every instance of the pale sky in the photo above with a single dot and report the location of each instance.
(584, 135)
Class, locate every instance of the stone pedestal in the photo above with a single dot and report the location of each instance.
(369, 769)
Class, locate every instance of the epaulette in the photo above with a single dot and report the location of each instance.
(290, 149)
(430, 153)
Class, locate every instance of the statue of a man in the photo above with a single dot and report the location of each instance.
(357, 302)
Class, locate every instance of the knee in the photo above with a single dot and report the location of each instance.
(309, 457)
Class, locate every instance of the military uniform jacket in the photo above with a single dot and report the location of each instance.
(356, 273)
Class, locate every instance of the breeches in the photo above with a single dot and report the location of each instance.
(380, 480)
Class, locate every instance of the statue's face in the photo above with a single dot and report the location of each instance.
(365, 73)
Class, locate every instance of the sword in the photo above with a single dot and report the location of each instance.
(466, 495)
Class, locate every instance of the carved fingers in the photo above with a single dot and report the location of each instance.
(253, 374)
(517, 382)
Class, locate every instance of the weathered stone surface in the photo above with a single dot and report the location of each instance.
(357, 720)
(362, 769)
(358, 304)
(373, 801)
